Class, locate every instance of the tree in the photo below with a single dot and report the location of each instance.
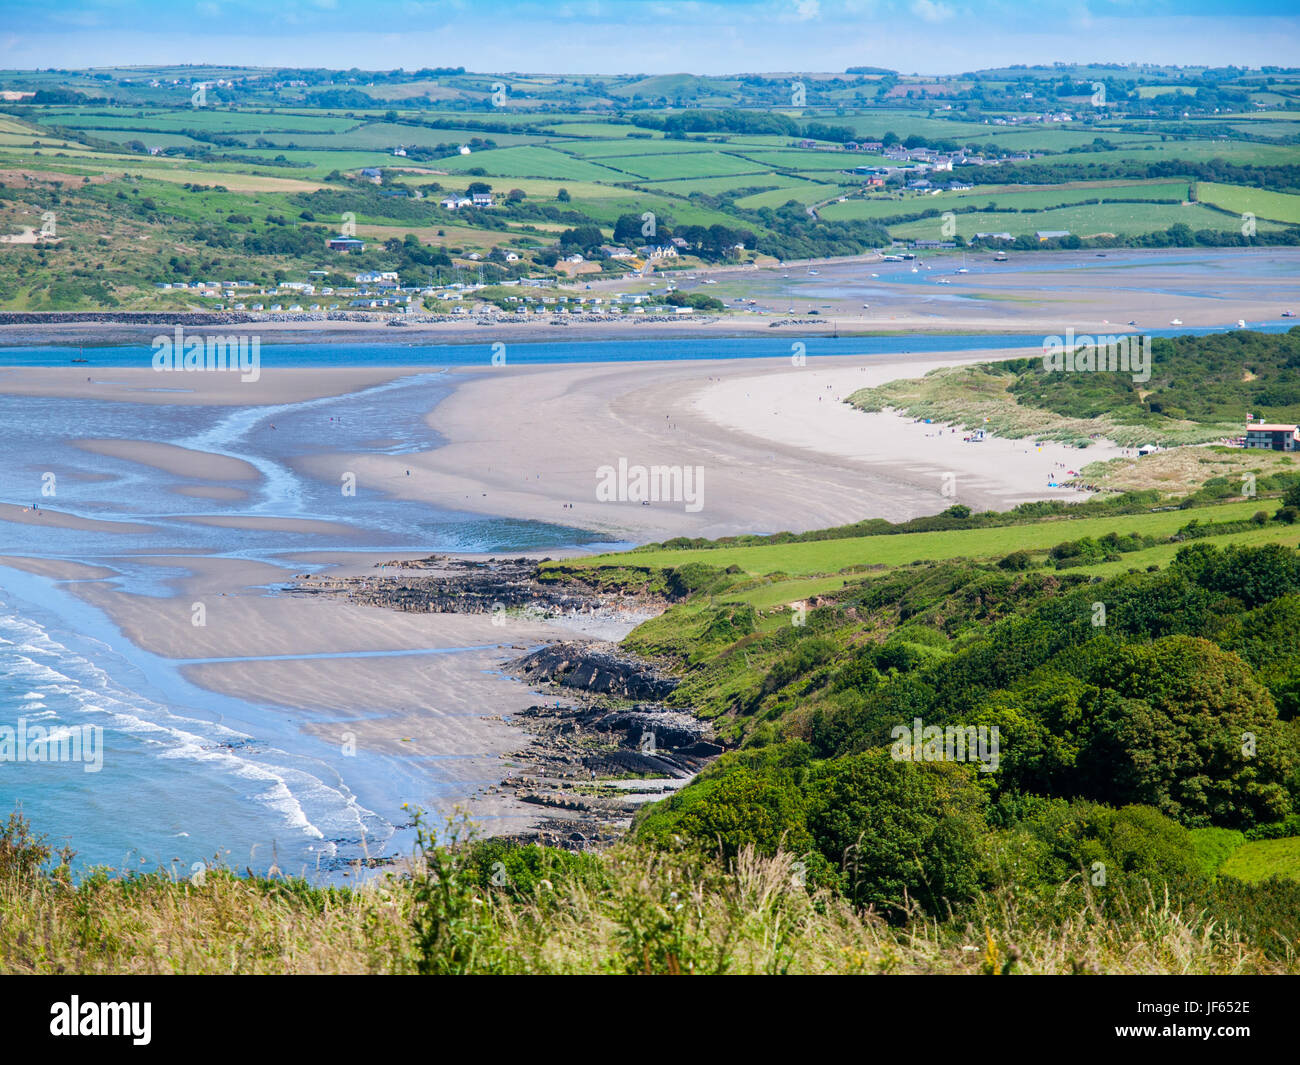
(1185, 727)
(627, 230)
(563, 196)
(582, 237)
(899, 829)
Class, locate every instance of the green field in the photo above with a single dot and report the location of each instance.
(1018, 198)
(1264, 858)
(1275, 206)
(666, 167)
(599, 149)
(901, 549)
(531, 162)
(717, 185)
(802, 193)
(812, 161)
(1086, 220)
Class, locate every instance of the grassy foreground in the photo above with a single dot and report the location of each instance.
(491, 908)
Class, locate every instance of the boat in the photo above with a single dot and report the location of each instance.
(1000, 257)
(80, 360)
(1241, 323)
(1175, 321)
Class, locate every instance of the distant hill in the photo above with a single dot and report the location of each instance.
(673, 86)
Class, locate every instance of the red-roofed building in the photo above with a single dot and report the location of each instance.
(1273, 437)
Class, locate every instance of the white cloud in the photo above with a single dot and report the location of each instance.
(807, 10)
(931, 10)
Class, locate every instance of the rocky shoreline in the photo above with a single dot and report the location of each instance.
(603, 742)
(601, 750)
(445, 585)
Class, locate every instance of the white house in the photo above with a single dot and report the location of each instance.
(657, 251)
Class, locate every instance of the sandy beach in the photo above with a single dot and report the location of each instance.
(778, 448)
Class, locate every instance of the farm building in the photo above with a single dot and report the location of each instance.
(346, 244)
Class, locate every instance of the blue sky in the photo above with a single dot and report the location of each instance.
(648, 36)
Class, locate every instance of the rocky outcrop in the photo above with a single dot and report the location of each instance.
(595, 668)
(458, 586)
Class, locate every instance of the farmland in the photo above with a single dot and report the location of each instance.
(574, 157)
(1274, 206)
(825, 557)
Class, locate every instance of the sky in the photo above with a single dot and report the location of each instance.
(648, 36)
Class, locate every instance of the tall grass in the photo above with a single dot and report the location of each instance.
(631, 910)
